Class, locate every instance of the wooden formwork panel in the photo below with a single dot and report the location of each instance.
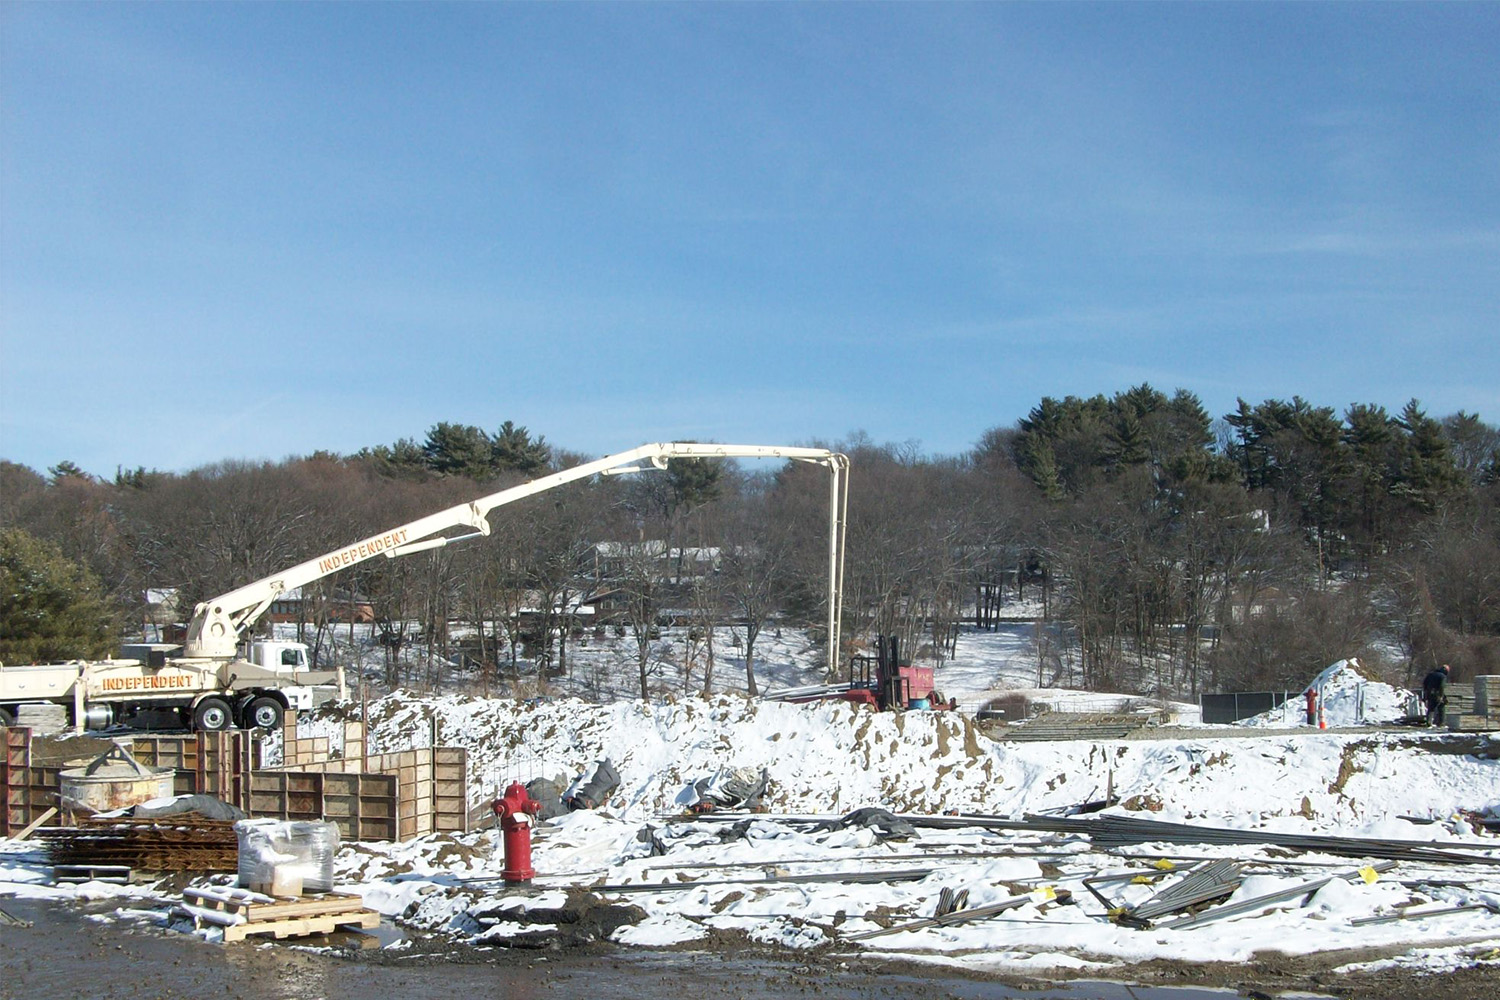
(426, 789)
(451, 815)
(156, 752)
(368, 828)
(377, 807)
(363, 806)
(17, 746)
(343, 784)
(206, 763)
(280, 795)
(26, 791)
(43, 790)
(420, 791)
(12, 816)
(337, 807)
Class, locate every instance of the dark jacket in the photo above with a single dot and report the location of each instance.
(1435, 684)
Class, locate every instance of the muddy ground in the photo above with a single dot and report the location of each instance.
(66, 953)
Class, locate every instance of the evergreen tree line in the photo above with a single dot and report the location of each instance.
(1161, 551)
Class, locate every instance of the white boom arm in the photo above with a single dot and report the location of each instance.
(218, 623)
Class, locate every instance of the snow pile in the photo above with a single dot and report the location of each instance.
(832, 757)
(1347, 699)
(825, 757)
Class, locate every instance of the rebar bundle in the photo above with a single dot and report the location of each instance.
(1204, 885)
(1113, 831)
(186, 843)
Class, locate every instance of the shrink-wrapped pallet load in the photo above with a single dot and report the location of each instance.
(286, 858)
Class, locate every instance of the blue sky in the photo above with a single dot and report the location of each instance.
(253, 231)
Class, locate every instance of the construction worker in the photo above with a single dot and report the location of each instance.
(1435, 694)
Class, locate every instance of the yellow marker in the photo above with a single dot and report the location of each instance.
(1369, 875)
(1164, 865)
(1045, 894)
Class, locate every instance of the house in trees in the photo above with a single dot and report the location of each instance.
(576, 610)
(162, 604)
(161, 609)
(341, 606)
(1247, 603)
(622, 560)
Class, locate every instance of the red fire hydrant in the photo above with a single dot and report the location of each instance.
(514, 810)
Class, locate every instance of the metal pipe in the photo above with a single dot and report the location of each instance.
(902, 875)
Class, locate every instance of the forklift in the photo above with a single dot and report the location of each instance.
(884, 682)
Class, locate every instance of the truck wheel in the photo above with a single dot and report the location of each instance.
(7, 718)
(263, 713)
(212, 715)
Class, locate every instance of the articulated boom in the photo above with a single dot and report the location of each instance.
(219, 624)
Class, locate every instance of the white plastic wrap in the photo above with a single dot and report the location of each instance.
(293, 857)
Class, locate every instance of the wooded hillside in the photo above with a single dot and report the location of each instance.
(1172, 552)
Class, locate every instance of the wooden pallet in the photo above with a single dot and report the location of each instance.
(241, 913)
(75, 874)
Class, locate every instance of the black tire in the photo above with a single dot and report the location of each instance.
(263, 713)
(7, 717)
(212, 715)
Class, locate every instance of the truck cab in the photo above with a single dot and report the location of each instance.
(282, 657)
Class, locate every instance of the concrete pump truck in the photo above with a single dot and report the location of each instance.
(222, 677)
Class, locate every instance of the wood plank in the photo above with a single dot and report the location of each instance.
(302, 926)
(263, 907)
(44, 817)
(225, 894)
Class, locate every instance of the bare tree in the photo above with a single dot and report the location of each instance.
(641, 582)
(754, 561)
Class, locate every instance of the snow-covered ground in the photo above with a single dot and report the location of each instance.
(985, 665)
(828, 759)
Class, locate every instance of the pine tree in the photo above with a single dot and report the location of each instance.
(1041, 465)
(67, 470)
(54, 609)
(514, 448)
(1127, 441)
(458, 450)
(1428, 474)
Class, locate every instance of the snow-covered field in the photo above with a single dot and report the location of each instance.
(985, 665)
(695, 878)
